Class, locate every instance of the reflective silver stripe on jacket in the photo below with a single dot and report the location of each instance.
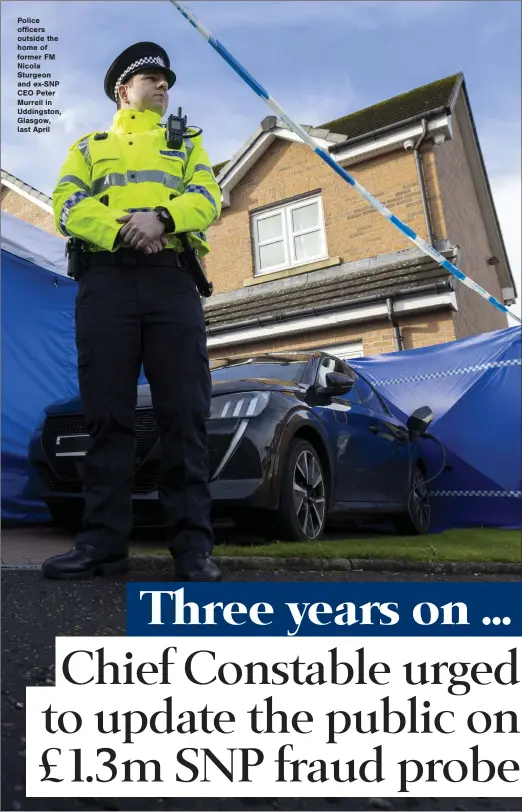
(189, 146)
(77, 182)
(203, 168)
(144, 176)
(69, 204)
(83, 146)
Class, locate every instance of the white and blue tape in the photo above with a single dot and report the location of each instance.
(328, 159)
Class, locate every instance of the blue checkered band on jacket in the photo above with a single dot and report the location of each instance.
(195, 188)
(72, 201)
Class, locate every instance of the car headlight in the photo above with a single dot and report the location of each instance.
(239, 405)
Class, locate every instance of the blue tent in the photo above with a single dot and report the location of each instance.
(474, 388)
(38, 350)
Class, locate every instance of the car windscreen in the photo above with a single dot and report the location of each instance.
(291, 371)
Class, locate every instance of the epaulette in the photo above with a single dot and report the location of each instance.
(95, 133)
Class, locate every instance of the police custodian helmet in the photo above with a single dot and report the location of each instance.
(133, 60)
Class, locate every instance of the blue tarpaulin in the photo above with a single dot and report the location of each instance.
(473, 387)
(38, 351)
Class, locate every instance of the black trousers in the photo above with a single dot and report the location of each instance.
(138, 312)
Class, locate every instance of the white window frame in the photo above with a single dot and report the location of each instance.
(290, 260)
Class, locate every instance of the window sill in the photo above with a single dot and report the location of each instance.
(296, 271)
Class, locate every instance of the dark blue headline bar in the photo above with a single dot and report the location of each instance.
(332, 609)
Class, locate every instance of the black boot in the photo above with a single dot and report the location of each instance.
(197, 567)
(84, 562)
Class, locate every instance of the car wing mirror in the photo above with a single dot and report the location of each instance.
(419, 422)
(337, 384)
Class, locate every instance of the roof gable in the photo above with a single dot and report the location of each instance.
(424, 100)
(399, 118)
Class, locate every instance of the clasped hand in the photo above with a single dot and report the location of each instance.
(143, 232)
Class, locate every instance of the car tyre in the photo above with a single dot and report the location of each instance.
(416, 520)
(303, 497)
(68, 517)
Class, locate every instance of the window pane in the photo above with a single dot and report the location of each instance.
(305, 217)
(308, 245)
(367, 395)
(271, 254)
(270, 228)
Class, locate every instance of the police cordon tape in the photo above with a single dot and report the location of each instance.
(328, 159)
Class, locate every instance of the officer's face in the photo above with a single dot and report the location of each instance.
(148, 91)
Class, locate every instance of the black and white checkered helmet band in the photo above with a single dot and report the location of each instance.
(156, 61)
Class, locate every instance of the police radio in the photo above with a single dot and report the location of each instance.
(177, 130)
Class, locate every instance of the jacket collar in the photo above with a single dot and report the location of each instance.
(131, 121)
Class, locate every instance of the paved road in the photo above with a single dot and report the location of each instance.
(35, 611)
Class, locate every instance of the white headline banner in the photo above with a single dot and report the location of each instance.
(244, 717)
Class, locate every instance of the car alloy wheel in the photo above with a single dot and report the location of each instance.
(419, 502)
(309, 494)
(416, 521)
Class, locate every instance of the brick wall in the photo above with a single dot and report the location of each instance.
(377, 337)
(19, 206)
(464, 225)
(353, 229)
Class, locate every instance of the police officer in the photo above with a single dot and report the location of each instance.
(127, 195)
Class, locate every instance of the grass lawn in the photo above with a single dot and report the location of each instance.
(477, 544)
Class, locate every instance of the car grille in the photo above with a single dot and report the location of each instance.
(64, 475)
(146, 428)
(58, 483)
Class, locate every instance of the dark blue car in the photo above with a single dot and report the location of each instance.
(294, 439)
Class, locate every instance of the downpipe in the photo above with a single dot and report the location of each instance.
(422, 184)
(399, 344)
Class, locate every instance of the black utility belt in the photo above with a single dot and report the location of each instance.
(128, 256)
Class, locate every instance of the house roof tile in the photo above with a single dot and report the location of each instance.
(393, 111)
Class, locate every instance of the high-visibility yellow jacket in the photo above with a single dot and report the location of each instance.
(132, 169)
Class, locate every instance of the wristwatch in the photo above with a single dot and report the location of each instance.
(165, 217)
